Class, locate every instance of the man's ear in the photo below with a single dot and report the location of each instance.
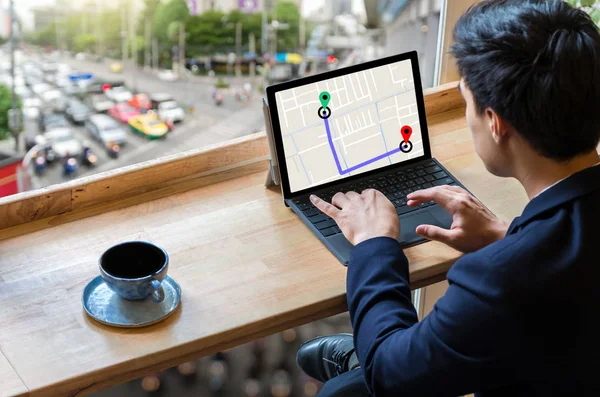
(498, 127)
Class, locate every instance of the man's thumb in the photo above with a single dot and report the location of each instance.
(434, 233)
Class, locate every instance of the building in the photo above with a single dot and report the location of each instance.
(412, 25)
(44, 16)
(4, 23)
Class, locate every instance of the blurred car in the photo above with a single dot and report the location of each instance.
(48, 121)
(60, 104)
(77, 112)
(167, 75)
(171, 111)
(100, 103)
(123, 112)
(23, 92)
(49, 96)
(39, 88)
(31, 108)
(62, 142)
(80, 56)
(116, 67)
(104, 129)
(119, 94)
(158, 98)
(149, 125)
(141, 102)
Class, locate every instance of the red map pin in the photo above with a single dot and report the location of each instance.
(406, 132)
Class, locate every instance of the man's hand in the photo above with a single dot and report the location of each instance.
(361, 216)
(473, 226)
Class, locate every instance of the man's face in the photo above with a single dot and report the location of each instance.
(482, 126)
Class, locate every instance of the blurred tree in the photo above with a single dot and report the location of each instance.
(166, 13)
(5, 105)
(590, 6)
(287, 12)
(151, 6)
(84, 42)
(3, 40)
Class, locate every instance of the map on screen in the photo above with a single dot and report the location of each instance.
(350, 124)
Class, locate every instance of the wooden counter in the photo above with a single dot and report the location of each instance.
(246, 265)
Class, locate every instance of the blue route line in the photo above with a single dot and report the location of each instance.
(363, 164)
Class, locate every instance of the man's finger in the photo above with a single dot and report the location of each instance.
(435, 233)
(438, 194)
(340, 200)
(324, 206)
(352, 195)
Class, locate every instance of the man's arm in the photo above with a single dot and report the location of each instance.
(466, 344)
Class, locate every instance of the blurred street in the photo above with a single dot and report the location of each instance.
(207, 124)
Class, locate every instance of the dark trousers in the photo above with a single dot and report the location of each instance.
(348, 384)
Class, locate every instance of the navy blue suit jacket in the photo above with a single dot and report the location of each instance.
(520, 316)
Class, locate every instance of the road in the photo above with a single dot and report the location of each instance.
(208, 124)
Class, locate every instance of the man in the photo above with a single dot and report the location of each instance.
(517, 318)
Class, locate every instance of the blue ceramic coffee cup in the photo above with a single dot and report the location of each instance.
(135, 270)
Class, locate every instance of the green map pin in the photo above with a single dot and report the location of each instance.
(325, 97)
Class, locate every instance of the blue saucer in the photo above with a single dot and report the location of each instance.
(105, 306)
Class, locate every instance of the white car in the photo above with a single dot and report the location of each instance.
(167, 75)
(100, 103)
(62, 142)
(31, 108)
(119, 94)
(50, 96)
(170, 110)
(40, 88)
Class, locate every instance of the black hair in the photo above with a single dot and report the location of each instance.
(537, 64)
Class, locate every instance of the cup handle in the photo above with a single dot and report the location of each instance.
(158, 295)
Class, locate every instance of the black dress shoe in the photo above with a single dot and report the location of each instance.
(326, 357)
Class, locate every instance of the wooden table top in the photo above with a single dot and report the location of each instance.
(246, 265)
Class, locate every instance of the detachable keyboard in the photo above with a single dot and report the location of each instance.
(395, 185)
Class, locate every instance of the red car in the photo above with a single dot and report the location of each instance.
(123, 112)
(141, 101)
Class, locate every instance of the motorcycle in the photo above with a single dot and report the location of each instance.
(70, 167)
(88, 158)
(112, 150)
(39, 164)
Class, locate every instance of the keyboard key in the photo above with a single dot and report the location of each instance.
(328, 232)
(429, 163)
(421, 173)
(311, 212)
(411, 184)
(432, 202)
(317, 218)
(445, 181)
(405, 209)
(325, 224)
(427, 185)
(391, 196)
(337, 229)
(420, 181)
(440, 175)
(411, 175)
(423, 205)
(429, 178)
(434, 169)
(393, 180)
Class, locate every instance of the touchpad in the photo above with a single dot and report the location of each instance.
(409, 224)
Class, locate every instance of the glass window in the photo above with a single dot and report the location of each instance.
(179, 56)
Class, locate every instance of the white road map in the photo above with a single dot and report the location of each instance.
(367, 111)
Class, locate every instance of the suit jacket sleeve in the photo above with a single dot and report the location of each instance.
(466, 344)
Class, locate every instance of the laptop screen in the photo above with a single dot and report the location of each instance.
(348, 125)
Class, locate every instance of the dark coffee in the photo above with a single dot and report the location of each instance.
(133, 260)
